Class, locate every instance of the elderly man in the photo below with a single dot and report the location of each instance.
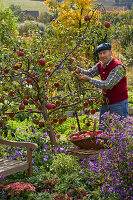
(113, 81)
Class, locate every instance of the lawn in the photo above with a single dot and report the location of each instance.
(26, 4)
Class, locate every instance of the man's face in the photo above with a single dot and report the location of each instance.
(105, 56)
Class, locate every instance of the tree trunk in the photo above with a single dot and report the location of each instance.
(50, 129)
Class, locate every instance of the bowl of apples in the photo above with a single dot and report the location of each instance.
(88, 139)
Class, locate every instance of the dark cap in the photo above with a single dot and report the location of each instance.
(102, 47)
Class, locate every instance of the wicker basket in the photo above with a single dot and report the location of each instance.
(88, 142)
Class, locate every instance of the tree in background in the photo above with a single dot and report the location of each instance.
(70, 14)
(7, 26)
(18, 12)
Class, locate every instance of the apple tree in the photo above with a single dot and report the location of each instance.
(40, 84)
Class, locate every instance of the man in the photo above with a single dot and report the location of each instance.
(113, 81)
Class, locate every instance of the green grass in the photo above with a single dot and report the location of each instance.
(26, 4)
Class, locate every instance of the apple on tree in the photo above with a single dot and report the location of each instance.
(28, 80)
(86, 18)
(107, 24)
(92, 111)
(21, 107)
(11, 115)
(42, 62)
(21, 53)
(56, 84)
(11, 93)
(36, 121)
(25, 102)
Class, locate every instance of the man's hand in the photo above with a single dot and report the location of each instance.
(78, 70)
(83, 78)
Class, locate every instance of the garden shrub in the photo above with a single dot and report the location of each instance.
(8, 31)
(30, 26)
(64, 165)
(18, 12)
(44, 17)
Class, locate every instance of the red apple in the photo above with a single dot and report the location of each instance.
(42, 62)
(41, 123)
(25, 102)
(90, 133)
(107, 24)
(55, 120)
(21, 53)
(6, 71)
(86, 18)
(21, 107)
(11, 115)
(36, 121)
(56, 84)
(1, 100)
(11, 93)
(49, 106)
(81, 136)
(28, 80)
(16, 67)
(48, 71)
(85, 104)
(92, 111)
(88, 124)
(99, 132)
(74, 137)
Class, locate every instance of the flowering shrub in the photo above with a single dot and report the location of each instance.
(19, 188)
(114, 168)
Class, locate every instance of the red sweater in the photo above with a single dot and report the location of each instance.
(119, 91)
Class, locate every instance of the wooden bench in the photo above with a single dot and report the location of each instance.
(8, 167)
